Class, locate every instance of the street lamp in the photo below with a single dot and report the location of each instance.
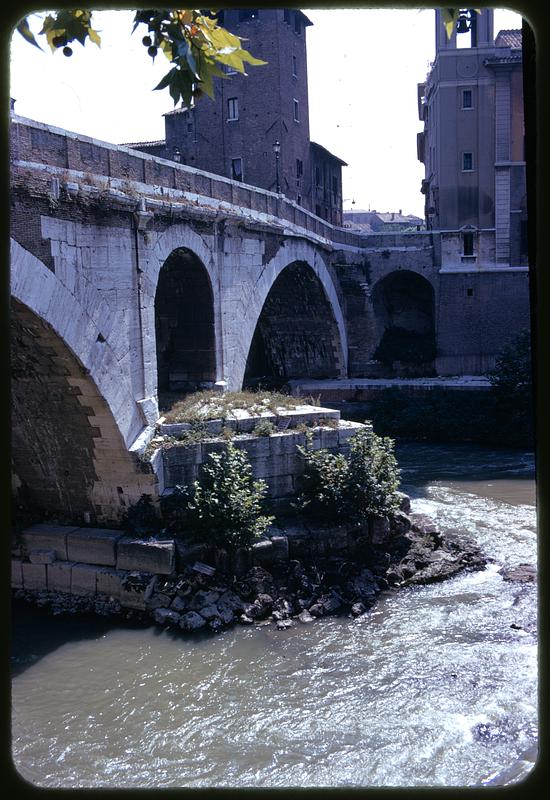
(277, 151)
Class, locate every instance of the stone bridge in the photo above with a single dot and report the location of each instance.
(133, 276)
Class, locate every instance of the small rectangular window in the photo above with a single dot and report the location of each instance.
(467, 244)
(294, 67)
(467, 162)
(467, 98)
(299, 199)
(470, 292)
(296, 111)
(232, 108)
(299, 168)
(297, 24)
(237, 169)
(287, 16)
(334, 189)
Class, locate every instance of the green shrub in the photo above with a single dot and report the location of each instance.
(264, 428)
(353, 487)
(224, 507)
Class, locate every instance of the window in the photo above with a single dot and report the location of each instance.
(317, 176)
(297, 25)
(287, 16)
(467, 99)
(232, 109)
(317, 210)
(334, 189)
(467, 162)
(296, 111)
(468, 244)
(248, 13)
(237, 169)
(299, 199)
(470, 292)
(299, 168)
(294, 67)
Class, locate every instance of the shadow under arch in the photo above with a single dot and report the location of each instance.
(404, 308)
(296, 334)
(68, 454)
(184, 324)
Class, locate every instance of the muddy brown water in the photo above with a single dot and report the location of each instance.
(432, 688)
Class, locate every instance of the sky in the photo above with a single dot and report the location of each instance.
(363, 69)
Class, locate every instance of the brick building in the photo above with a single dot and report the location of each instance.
(472, 145)
(235, 135)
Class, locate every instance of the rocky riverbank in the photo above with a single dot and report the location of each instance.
(402, 550)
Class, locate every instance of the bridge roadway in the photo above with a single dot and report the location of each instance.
(132, 275)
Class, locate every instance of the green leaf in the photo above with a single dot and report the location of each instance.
(26, 33)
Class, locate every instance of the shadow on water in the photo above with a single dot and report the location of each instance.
(36, 633)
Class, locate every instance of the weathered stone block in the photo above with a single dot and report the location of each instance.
(16, 574)
(34, 576)
(59, 576)
(157, 557)
(109, 582)
(262, 552)
(255, 448)
(47, 537)
(93, 546)
(42, 556)
(283, 443)
(280, 548)
(83, 579)
(281, 486)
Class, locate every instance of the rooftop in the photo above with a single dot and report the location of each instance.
(509, 38)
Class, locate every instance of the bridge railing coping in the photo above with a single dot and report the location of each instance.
(38, 142)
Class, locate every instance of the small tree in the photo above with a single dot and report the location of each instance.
(351, 488)
(224, 507)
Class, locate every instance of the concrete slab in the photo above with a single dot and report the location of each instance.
(153, 556)
(84, 579)
(34, 576)
(93, 546)
(59, 576)
(47, 537)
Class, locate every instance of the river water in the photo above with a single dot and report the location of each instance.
(432, 688)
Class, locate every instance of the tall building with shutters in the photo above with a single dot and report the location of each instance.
(472, 145)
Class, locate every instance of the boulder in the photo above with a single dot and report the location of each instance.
(178, 604)
(191, 621)
(522, 573)
(379, 530)
(166, 616)
(209, 612)
(357, 609)
(283, 624)
(404, 502)
(203, 598)
(305, 617)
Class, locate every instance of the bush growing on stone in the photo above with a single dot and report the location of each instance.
(354, 487)
(224, 507)
(264, 428)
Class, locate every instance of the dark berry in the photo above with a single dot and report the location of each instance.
(59, 41)
(152, 51)
(67, 51)
(147, 41)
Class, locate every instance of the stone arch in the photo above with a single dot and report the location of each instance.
(67, 450)
(404, 308)
(296, 333)
(85, 331)
(184, 324)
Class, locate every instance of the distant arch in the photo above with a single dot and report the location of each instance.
(296, 334)
(184, 324)
(404, 308)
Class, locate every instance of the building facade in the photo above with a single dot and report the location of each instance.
(253, 116)
(472, 145)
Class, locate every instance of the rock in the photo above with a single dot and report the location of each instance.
(215, 624)
(178, 604)
(165, 616)
(42, 556)
(191, 621)
(231, 600)
(209, 612)
(244, 619)
(400, 523)
(283, 607)
(157, 601)
(357, 609)
(305, 617)
(317, 610)
(404, 502)
(522, 573)
(283, 624)
(422, 523)
(227, 614)
(203, 598)
(261, 581)
(379, 530)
